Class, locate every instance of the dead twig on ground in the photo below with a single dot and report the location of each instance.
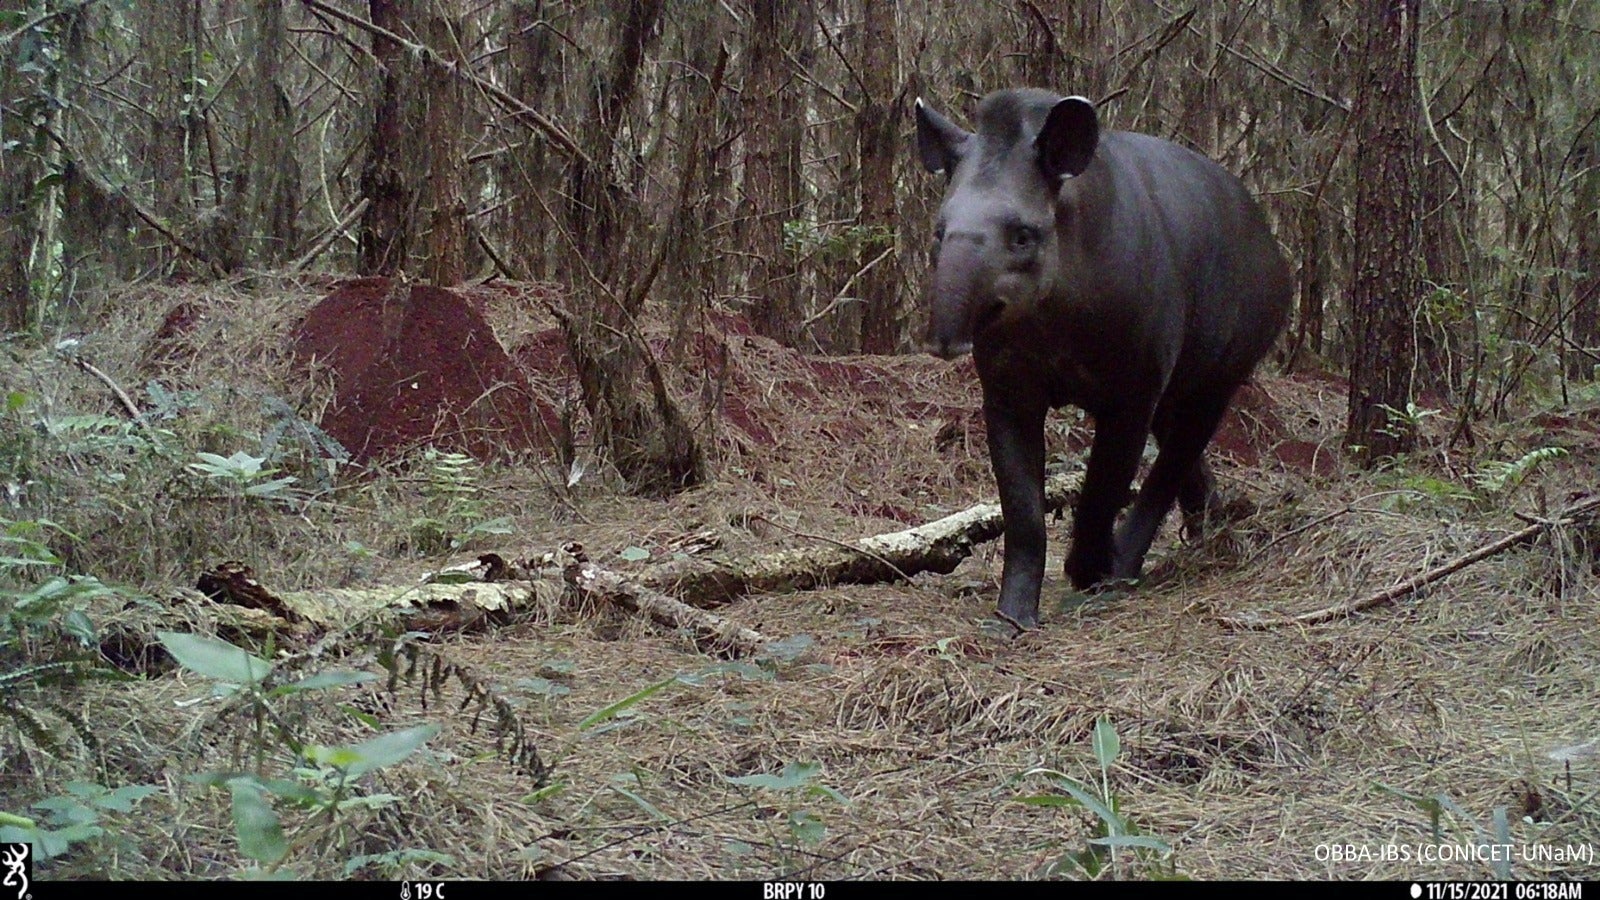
(1577, 512)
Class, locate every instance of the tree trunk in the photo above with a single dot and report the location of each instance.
(1040, 53)
(20, 170)
(384, 238)
(596, 217)
(1311, 45)
(774, 129)
(167, 48)
(1083, 24)
(443, 132)
(692, 266)
(413, 174)
(527, 171)
(1444, 211)
(1384, 294)
(878, 121)
(647, 437)
(1584, 363)
(267, 193)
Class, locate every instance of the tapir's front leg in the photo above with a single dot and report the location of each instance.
(1016, 449)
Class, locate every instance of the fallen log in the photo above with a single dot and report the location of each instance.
(938, 546)
(676, 593)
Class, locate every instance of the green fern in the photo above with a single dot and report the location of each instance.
(1499, 477)
(454, 509)
(289, 431)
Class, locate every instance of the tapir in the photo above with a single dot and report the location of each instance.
(1117, 272)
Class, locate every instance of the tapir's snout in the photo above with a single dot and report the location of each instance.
(944, 348)
(962, 301)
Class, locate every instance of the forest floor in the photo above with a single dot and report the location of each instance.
(1278, 751)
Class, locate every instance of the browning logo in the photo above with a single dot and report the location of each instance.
(16, 865)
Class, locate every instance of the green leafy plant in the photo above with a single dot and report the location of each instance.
(1115, 835)
(91, 435)
(289, 433)
(832, 241)
(1494, 478)
(38, 606)
(797, 784)
(1401, 422)
(166, 404)
(243, 473)
(326, 782)
(45, 636)
(81, 815)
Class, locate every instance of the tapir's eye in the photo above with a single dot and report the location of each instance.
(1023, 238)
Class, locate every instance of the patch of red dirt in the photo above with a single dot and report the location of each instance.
(418, 365)
(166, 347)
(736, 412)
(1251, 423)
(1255, 428)
(543, 354)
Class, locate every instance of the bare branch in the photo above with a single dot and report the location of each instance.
(332, 234)
(1582, 511)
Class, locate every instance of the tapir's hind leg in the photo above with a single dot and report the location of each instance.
(1113, 461)
(1197, 497)
(1183, 432)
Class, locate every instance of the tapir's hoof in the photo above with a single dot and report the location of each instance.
(1084, 574)
(1223, 509)
(1125, 572)
(1020, 619)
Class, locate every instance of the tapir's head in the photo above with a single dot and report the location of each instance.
(995, 244)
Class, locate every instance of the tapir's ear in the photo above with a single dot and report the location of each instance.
(939, 140)
(1066, 142)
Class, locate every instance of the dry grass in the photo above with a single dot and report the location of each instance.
(1250, 752)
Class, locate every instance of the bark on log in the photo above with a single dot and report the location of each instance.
(712, 633)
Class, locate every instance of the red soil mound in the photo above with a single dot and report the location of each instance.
(417, 365)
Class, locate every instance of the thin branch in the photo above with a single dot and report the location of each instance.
(326, 241)
(844, 59)
(1288, 80)
(30, 25)
(712, 632)
(144, 215)
(1577, 512)
(839, 297)
(121, 395)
